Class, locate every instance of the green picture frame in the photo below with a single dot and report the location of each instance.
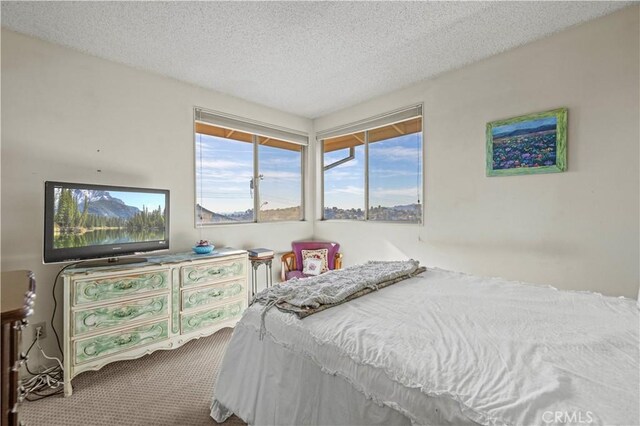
(528, 144)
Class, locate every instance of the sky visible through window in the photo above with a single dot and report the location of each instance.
(395, 174)
(280, 185)
(395, 178)
(225, 170)
(344, 184)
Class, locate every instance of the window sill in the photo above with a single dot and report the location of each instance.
(387, 222)
(216, 225)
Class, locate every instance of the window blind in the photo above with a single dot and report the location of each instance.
(372, 123)
(250, 126)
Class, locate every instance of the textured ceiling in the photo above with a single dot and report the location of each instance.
(307, 58)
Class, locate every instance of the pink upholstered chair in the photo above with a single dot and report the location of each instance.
(292, 261)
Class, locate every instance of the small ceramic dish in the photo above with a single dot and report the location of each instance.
(203, 249)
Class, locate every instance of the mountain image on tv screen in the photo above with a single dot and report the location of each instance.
(84, 217)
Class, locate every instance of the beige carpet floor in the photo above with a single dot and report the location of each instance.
(164, 388)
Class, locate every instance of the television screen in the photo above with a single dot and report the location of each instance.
(84, 221)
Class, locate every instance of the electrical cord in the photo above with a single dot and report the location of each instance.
(27, 353)
(46, 383)
(55, 305)
(50, 381)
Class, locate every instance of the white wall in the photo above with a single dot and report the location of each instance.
(66, 114)
(573, 230)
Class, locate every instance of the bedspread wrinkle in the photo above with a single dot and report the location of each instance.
(504, 353)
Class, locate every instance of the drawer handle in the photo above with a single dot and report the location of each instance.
(126, 285)
(96, 348)
(91, 320)
(122, 340)
(195, 321)
(203, 297)
(124, 312)
(215, 315)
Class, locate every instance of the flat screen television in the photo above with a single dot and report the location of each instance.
(84, 221)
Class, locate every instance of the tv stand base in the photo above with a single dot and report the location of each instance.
(112, 261)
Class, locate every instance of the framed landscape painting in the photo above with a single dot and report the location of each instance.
(533, 143)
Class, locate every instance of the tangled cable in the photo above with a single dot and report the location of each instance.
(47, 382)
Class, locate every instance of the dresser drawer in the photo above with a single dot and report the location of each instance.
(200, 296)
(107, 344)
(110, 288)
(104, 317)
(202, 319)
(212, 272)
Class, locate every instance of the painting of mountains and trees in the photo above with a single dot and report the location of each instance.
(534, 143)
(85, 217)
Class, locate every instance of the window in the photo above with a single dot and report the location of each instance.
(372, 170)
(246, 171)
(344, 176)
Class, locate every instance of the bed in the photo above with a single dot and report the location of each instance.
(435, 349)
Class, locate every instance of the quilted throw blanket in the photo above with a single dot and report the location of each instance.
(307, 296)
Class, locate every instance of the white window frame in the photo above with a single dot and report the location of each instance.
(256, 129)
(382, 120)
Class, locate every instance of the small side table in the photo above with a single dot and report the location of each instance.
(255, 265)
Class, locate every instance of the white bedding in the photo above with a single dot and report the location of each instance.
(473, 349)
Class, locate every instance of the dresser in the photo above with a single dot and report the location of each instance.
(115, 313)
(18, 290)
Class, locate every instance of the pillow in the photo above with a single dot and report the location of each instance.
(312, 266)
(298, 246)
(320, 254)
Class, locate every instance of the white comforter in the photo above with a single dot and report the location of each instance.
(504, 353)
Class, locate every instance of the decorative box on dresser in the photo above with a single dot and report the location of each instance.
(18, 293)
(114, 313)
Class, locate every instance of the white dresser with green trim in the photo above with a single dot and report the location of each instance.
(115, 313)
